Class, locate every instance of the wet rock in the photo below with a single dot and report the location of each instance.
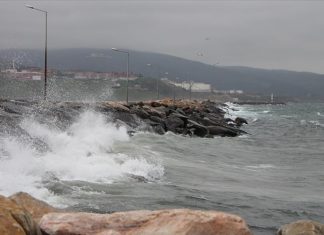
(240, 121)
(221, 131)
(197, 129)
(34, 206)
(154, 112)
(15, 220)
(159, 129)
(173, 123)
(180, 115)
(228, 120)
(180, 111)
(130, 119)
(112, 106)
(163, 222)
(156, 119)
(166, 115)
(302, 227)
(140, 112)
(207, 122)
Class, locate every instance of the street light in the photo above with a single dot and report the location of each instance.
(157, 81)
(174, 88)
(126, 52)
(45, 70)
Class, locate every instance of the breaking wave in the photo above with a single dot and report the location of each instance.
(85, 151)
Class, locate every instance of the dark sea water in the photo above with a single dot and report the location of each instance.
(273, 176)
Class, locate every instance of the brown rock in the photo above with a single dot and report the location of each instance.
(154, 112)
(34, 206)
(163, 222)
(115, 106)
(155, 104)
(15, 220)
(302, 227)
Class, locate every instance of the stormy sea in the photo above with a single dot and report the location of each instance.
(271, 176)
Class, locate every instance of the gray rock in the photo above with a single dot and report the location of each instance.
(221, 131)
(173, 123)
(197, 129)
(240, 121)
(302, 227)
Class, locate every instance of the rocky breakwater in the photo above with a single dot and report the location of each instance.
(185, 117)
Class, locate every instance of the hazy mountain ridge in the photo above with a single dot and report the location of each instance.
(279, 82)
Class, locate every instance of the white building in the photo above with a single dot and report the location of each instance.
(195, 86)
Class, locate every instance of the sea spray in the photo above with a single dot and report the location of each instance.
(84, 151)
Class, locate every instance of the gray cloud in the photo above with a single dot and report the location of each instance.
(268, 34)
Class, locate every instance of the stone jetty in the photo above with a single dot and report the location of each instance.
(183, 117)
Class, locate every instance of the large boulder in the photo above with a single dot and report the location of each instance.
(302, 227)
(154, 112)
(163, 222)
(240, 121)
(197, 129)
(174, 123)
(155, 104)
(112, 106)
(222, 131)
(140, 112)
(15, 220)
(35, 207)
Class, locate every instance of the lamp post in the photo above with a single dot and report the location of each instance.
(191, 83)
(45, 70)
(157, 82)
(174, 88)
(126, 52)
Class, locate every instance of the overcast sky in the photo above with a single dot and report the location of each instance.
(265, 34)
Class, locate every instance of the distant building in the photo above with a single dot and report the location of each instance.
(23, 75)
(228, 91)
(195, 86)
(36, 77)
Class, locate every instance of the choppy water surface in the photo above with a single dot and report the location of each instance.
(271, 177)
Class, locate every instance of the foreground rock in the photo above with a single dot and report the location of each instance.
(164, 222)
(35, 207)
(302, 227)
(15, 220)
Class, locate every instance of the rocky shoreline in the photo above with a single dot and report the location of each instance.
(21, 214)
(184, 117)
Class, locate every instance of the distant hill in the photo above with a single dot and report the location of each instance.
(262, 81)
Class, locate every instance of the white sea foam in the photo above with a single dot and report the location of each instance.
(259, 167)
(84, 151)
(313, 123)
(303, 122)
(255, 119)
(234, 110)
(316, 123)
